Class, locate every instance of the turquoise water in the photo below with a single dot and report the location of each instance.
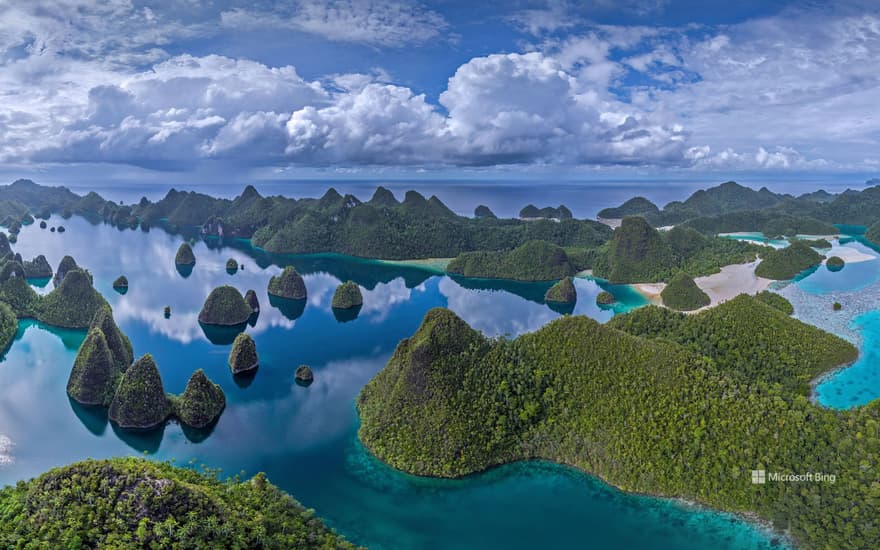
(853, 277)
(759, 238)
(856, 287)
(305, 437)
(860, 383)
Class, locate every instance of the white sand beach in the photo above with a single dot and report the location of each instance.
(651, 291)
(849, 255)
(613, 223)
(730, 282)
(752, 237)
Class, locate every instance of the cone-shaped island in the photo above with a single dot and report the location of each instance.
(243, 356)
(562, 292)
(201, 402)
(225, 306)
(140, 400)
(288, 285)
(348, 295)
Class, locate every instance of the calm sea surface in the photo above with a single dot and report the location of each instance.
(305, 437)
(506, 199)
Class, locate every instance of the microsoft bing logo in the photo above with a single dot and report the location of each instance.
(759, 477)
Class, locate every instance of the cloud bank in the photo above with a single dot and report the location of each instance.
(105, 82)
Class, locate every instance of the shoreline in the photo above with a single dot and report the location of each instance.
(731, 281)
(749, 517)
(435, 265)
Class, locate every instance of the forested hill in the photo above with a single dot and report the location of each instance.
(657, 402)
(419, 227)
(134, 503)
(732, 207)
(382, 227)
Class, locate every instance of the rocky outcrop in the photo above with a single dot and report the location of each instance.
(140, 400)
(201, 402)
(288, 285)
(243, 355)
(251, 298)
(347, 296)
(94, 377)
(225, 306)
(185, 255)
(562, 292)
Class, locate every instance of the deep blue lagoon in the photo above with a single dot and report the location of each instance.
(305, 438)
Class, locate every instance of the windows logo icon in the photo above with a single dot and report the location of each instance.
(759, 477)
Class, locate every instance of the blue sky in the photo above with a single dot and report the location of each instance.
(189, 89)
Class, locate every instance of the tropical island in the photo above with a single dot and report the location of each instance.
(225, 306)
(416, 227)
(733, 363)
(451, 402)
(131, 502)
(105, 374)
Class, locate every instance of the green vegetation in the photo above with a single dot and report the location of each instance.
(531, 212)
(381, 228)
(638, 253)
(201, 402)
(288, 285)
(66, 264)
(731, 207)
(121, 282)
(347, 295)
(837, 306)
(117, 342)
(38, 268)
(140, 401)
(134, 394)
(251, 298)
(386, 229)
(21, 297)
(532, 261)
(684, 406)
(225, 306)
(636, 206)
(243, 355)
(873, 233)
(562, 292)
(814, 243)
(483, 211)
(8, 326)
(73, 304)
(605, 298)
(835, 263)
(185, 255)
(743, 337)
(11, 270)
(683, 294)
(775, 300)
(785, 263)
(304, 374)
(135, 503)
(231, 266)
(769, 222)
(94, 377)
